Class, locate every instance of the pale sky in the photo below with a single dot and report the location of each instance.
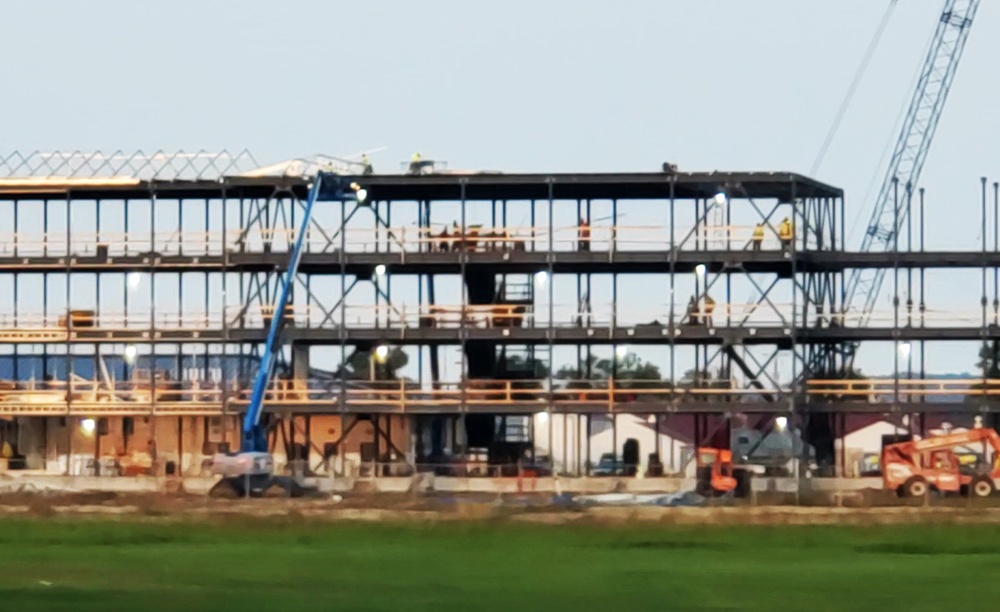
(543, 85)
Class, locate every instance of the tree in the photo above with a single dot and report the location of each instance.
(989, 359)
(628, 368)
(982, 394)
(629, 372)
(859, 392)
(520, 363)
(362, 364)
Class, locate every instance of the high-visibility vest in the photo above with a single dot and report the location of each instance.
(758, 232)
(785, 230)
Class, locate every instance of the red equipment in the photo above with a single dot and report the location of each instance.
(716, 474)
(912, 468)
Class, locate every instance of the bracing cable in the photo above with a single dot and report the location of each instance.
(849, 97)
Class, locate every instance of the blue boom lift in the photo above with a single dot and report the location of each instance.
(250, 472)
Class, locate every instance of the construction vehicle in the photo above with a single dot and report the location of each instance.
(914, 467)
(717, 475)
(250, 472)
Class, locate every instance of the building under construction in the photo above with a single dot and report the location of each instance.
(461, 322)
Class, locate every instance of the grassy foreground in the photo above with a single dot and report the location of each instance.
(266, 565)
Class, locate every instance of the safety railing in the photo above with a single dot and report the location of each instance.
(90, 320)
(400, 239)
(890, 387)
(203, 398)
(58, 326)
(111, 244)
(481, 238)
(558, 315)
(102, 399)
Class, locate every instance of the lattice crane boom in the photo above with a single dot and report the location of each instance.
(912, 146)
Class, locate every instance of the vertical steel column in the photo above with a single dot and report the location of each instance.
(922, 308)
(982, 232)
(909, 249)
(208, 291)
(842, 307)
(462, 261)
(895, 295)
(550, 332)
(423, 225)
(180, 298)
(388, 277)
(794, 414)
(67, 362)
(672, 271)
(590, 304)
(244, 224)
(729, 279)
(153, 420)
(996, 248)
(17, 279)
(45, 283)
(342, 331)
(580, 309)
(983, 262)
(224, 394)
(909, 297)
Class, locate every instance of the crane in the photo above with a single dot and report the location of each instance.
(250, 472)
(911, 149)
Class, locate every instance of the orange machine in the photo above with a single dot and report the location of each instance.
(912, 468)
(716, 475)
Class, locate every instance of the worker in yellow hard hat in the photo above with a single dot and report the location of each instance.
(785, 234)
(415, 163)
(758, 236)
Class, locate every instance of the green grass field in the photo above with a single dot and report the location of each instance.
(102, 565)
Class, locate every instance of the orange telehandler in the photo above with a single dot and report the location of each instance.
(716, 474)
(913, 468)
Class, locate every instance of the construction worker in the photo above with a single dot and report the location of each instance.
(584, 235)
(415, 163)
(758, 236)
(445, 244)
(693, 312)
(709, 308)
(366, 165)
(785, 234)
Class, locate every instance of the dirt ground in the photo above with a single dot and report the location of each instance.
(866, 507)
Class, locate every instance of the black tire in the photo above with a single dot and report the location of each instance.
(743, 482)
(289, 486)
(916, 487)
(981, 486)
(225, 489)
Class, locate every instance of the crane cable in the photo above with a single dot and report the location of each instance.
(862, 69)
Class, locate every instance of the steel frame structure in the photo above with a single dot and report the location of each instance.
(231, 236)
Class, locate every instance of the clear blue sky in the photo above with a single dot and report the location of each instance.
(520, 85)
